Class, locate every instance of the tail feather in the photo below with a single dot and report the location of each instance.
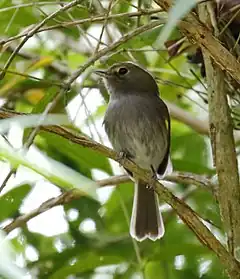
(146, 221)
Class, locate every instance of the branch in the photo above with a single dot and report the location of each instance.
(198, 125)
(183, 210)
(196, 32)
(223, 148)
(187, 118)
(67, 197)
(85, 20)
(57, 67)
(33, 31)
(62, 199)
(177, 177)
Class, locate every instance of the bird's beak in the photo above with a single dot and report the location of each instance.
(101, 73)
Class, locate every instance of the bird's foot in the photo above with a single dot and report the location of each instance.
(154, 173)
(122, 156)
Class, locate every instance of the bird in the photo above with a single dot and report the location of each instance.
(137, 123)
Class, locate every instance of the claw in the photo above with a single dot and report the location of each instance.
(121, 156)
(154, 173)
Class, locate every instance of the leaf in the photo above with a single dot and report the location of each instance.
(8, 86)
(178, 11)
(7, 267)
(189, 152)
(12, 200)
(146, 39)
(48, 97)
(27, 121)
(54, 171)
(88, 261)
(115, 218)
(154, 270)
(74, 60)
(80, 158)
(87, 208)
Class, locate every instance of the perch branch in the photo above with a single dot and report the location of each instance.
(67, 197)
(182, 209)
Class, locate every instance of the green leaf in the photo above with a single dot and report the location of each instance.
(48, 97)
(154, 270)
(115, 218)
(54, 171)
(77, 157)
(12, 200)
(143, 40)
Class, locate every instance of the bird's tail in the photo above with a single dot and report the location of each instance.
(146, 221)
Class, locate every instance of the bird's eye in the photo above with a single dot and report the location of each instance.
(122, 71)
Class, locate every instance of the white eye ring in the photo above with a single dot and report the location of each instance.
(122, 71)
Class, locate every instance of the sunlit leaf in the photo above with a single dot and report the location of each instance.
(11, 201)
(8, 268)
(27, 121)
(54, 171)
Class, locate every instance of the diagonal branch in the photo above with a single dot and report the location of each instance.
(62, 199)
(67, 197)
(182, 209)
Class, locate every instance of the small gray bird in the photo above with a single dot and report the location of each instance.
(137, 123)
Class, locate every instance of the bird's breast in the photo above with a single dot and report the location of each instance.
(135, 126)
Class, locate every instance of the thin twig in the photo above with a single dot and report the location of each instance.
(60, 200)
(10, 173)
(104, 25)
(85, 20)
(178, 177)
(43, 81)
(43, 3)
(5, 181)
(33, 32)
